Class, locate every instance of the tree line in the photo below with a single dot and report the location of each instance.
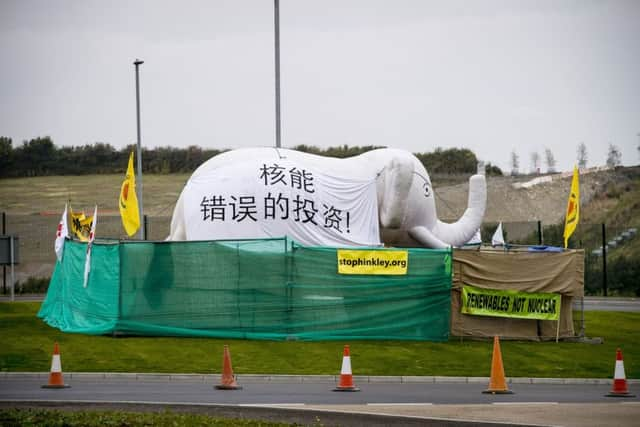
(41, 157)
(614, 159)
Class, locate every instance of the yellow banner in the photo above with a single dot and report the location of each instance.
(508, 303)
(573, 207)
(372, 261)
(129, 201)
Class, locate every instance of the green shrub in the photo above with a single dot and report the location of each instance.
(622, 276)
(33, 285)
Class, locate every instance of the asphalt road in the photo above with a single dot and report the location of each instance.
(542, 403)
(608, 304)
(294, 391)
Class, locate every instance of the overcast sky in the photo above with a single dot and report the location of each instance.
(491, 76)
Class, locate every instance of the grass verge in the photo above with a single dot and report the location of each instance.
(47, 417)
(28, 343)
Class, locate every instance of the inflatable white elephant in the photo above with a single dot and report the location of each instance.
(383, 195)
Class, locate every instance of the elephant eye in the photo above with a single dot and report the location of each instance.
(427, 189)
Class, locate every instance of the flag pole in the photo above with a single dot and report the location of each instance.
(137, 63)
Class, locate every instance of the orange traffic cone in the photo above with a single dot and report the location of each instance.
(346, 379)
(55, 375)
(619, 380)
(228, 379)
(497, 382)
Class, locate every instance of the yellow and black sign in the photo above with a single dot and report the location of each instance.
(81, 225)
(372, 261)
(523, 305)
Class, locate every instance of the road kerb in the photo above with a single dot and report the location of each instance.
(267, 378)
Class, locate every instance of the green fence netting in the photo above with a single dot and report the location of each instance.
(256, 289)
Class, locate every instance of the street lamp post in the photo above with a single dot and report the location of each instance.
(137, 63)
(276, 24)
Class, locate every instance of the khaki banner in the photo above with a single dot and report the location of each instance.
(372, 262)
(523, 305)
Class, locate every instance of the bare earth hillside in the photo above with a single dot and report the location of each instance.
(546, 201)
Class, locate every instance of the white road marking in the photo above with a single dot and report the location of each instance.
(399, 404)
(524, 403)
(270, 405)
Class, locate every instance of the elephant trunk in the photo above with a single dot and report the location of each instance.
(460, 232)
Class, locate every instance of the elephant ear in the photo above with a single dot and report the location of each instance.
(396, 183)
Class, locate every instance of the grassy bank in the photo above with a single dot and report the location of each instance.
(46, 417)
(28, 343)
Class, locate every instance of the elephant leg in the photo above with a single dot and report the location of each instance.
(397, 178)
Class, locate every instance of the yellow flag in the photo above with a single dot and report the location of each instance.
(129, 201)
(573, 208)
(80, 225)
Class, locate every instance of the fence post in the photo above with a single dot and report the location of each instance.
(582, 331)
(540, 232)
(4, 267)
(13, 277)
(604, 260)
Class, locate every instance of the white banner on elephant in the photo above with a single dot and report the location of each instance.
(258, 199)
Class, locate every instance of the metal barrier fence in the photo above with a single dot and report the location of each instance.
(606, 266)
(37, 235)
(601, 243)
